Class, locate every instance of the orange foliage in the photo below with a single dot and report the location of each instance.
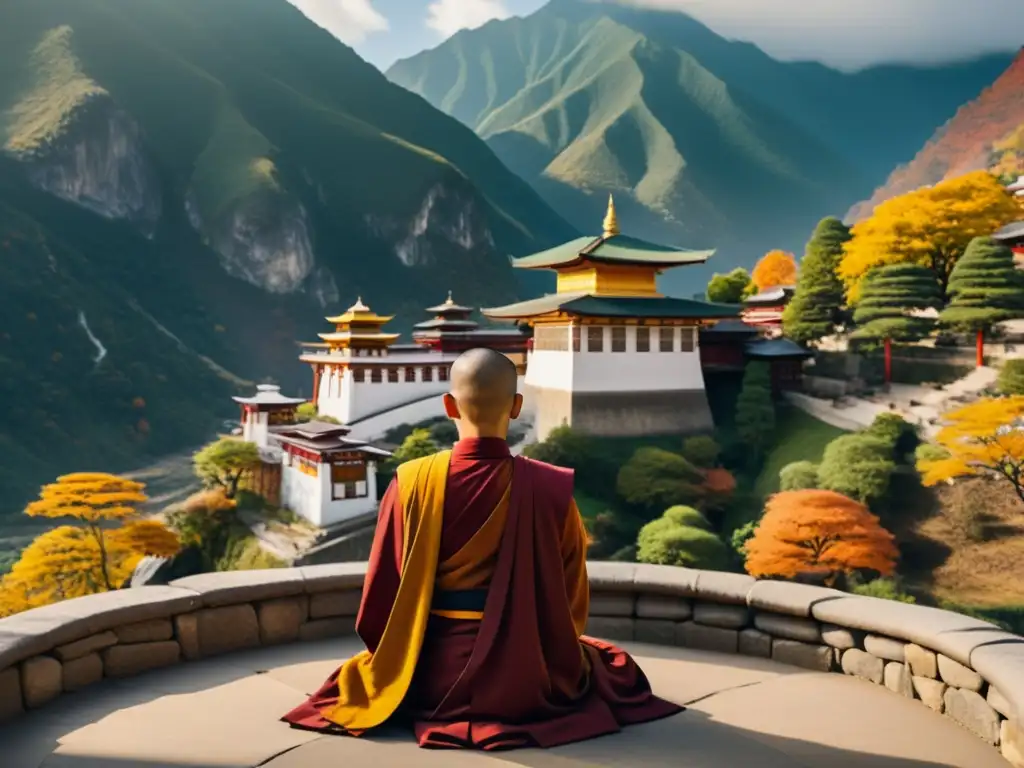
(212, 500)
(818, 532)
(774, 269)
(719, 481)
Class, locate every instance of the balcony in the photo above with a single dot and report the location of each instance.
(774, 675)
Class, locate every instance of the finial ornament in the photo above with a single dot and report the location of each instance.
(449, 300)
(611, 220)
(359, 306)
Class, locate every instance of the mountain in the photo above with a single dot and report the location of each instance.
(986, 133)
(187, 187)
(706, 141)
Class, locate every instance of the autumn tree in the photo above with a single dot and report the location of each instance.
(755, 410)
(818, 533)
(985, 288)
(225, 462)
(776, 268)
(730, 288)
(983, 438)
(931, 227)
(683, 537)
(654, 478)
(814, 310)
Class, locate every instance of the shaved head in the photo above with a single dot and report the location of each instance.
(483, 391)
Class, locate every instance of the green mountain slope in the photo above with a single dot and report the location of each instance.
(211, 178)
(707, 141)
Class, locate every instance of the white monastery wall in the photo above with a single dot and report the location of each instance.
(255, 428)
(334, 511)
(301, 493)
(374, 428)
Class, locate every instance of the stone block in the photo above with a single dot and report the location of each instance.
(236, 587)
(42, 680)
(327, 605)
(280, 619)
(85, 646)
(612, 603)
(657, 631)
(897, 679)
(723, 587)
(863, 665)
(789, 627)
(322, 629)
(841, 638)
(957, 675)
(610, 627)
(972, 712)
(611, 577)
(151, 631)
(333, 577)
(83, 671)
(211, 631)
(805, 655)
(1002, 667)
(1011, 743)
(885, 648)
(663, 607)
(999, 703)
(692, 635)
(668, 580)
(129, 660)
(930, 692)
(788, 598)
(724, 616)
(10, 694)
(754, 642)
(923, 663)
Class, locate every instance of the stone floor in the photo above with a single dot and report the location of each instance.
(741, 713)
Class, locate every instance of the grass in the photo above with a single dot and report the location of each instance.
(800, 437)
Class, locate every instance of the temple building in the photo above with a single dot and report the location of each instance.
(610, 355)
(1012, 235)
(765, 308)
(315, 469)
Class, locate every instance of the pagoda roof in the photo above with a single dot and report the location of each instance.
(441, 323)
(337, 336)
(1012, 231)
(323, 436)
(588, 305)
(772, 295)
(732, 325)
(449, 307)
(360, 313)
(269, 395)
(776, 348)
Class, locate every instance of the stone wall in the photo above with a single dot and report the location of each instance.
(967, 669)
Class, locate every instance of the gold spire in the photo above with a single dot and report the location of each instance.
(449, 300)
(611, 220)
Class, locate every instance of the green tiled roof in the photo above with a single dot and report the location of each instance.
(782, 347)
(587, 305)
(617, 249)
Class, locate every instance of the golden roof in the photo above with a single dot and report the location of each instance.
(360, 313)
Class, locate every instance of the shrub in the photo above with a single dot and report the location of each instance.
(859, 466)
(798, 476)
(896, 431)
(666, 542)
(886, 589)
(701, 451)
(1011, 378)
(656, 479)
(688, 516)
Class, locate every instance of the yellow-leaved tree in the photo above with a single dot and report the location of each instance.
(931, 226)
(983, 438)
(97, 555)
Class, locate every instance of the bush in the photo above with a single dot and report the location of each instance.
(798, 476)
(859, 466)
(896, 431)
(656, 479)
(595, 474)
(687, 516)
(665, 542)
(741, 536)
(930, 452)
(886, 589)
(701, 451)
(1011, 378)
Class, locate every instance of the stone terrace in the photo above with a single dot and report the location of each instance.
(775, 675)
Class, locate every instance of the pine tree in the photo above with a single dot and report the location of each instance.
(891, 297)
(814, 309)
(755, 410)
(985, 288)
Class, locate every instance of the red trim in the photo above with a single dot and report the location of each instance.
(302, 453)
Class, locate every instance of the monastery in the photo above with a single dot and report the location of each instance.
(606, 354)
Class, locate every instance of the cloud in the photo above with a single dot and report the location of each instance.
(348, 20)
(449, 16)
(853, 34)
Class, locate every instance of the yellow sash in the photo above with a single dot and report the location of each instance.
(372, 686)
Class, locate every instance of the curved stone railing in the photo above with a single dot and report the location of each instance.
(968, 669)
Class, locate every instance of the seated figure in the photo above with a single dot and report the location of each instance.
(476, 599)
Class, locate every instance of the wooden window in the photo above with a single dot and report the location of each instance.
(643, 339)
(552, 338)
(392, 375)
(358, 375)
(410, 374)
(348, 471)
(428, 374)
(576, 330)
(375, 375)
(619, 338)
(666, 338)
(686, 339)
(595, 338)
(442, 373)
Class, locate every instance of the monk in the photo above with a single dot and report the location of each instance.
(476, 599)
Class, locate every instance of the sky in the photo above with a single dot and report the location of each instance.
(848, 34)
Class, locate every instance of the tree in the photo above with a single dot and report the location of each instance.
(983, 438)
(755, 410)
(309, 412)
(891, 305)
(681, 536)
(985, 288)
(730, 288)
(774, 269)
(225, 462)
(416, 446)
(813, 311)
(701, 451)
(741, 536)
(859, 466)
(930, 227)
(654, 478)
(1011, 378)
(820, 533)
(798, 476)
